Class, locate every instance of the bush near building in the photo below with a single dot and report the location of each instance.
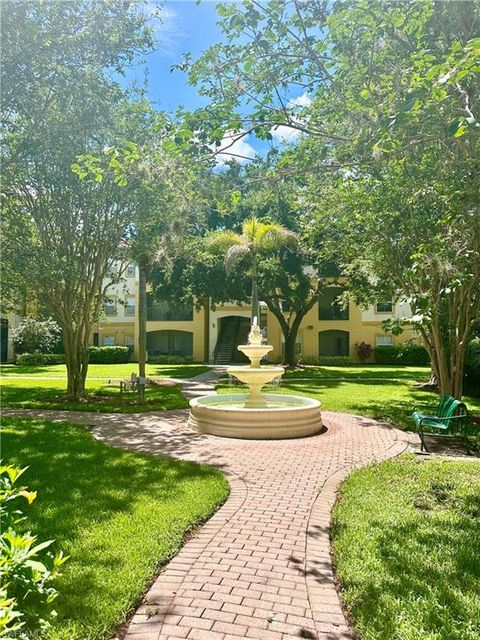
(39, 359)
(109, 355)
(407, 353)
(36, 336)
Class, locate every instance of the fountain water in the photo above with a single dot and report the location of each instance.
(255, 415)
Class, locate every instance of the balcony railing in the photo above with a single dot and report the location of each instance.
(161, 312)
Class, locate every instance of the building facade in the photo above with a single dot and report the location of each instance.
(212, 335)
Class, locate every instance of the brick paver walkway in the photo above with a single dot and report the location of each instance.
(260, 567)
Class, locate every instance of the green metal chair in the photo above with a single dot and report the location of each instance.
(451, 419)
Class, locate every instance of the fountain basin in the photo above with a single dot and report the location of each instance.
(284, 416)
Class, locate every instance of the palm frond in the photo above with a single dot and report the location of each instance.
(236, 254)
(219, 242)
(252, 229)
(275, 237)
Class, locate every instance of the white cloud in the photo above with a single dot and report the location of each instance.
(301, 101)
(287, 135)
(166, 28)
(239, 150)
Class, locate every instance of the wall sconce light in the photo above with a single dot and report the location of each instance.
(310, 326)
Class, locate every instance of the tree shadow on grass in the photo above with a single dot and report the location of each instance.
(104, 398)
(98, 502)
(421, 576)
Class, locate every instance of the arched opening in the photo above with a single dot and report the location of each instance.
(333, 343)
(170, 343)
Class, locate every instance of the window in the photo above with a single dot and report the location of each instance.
(108, 341)
(172, 343)
(384, 341)
(111, 273)
(95, 340)
(384, 307)
(328, 306)
(333, 343)
(131, 270)
(110, 309)
(129, 342)
(130, 306)
(161, 310)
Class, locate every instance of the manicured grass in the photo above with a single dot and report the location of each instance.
(361, 371)
(406, 536)
(119, 515)
(25, 393)
(385, 399)
(117, 371)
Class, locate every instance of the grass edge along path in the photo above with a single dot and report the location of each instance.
(405, 540)
(119, 515)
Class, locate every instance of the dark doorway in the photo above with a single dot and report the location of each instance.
(3, 339)
(333, 343)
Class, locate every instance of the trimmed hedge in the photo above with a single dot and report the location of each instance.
(35, 359)
(328, 361)
(170, 359)
(407, 353)
(109, 355)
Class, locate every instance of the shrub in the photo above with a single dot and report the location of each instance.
(336, 361)
(471, 376)
(35, 359)
(364, 351)
(412, 354)
(385, 354)
(328, 361)
(170, 359)
(26, 568)
(36, 336)
(109, 355)
(406, 353)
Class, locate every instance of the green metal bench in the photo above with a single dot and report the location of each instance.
(450, 420)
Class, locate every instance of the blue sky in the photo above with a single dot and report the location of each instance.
(188, 26)
(185, 26)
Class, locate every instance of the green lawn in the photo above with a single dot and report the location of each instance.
(361, 371)
(119, 515)
(390, 399)
(120, 371)
(31, 393)
(406, 537)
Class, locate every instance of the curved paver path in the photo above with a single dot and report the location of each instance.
(260, 567)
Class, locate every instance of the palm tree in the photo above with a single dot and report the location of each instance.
(257, 237)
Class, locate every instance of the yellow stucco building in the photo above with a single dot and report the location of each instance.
(211, 335)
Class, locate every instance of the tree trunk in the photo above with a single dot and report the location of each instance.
(447, 352)
(76, 359)
(255, 303)
(142, 315)
(290, 331)
(206, 330)
(290, 338)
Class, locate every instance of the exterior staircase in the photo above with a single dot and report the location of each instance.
(226, 343)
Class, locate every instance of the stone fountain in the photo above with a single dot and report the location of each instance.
(255, 415)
